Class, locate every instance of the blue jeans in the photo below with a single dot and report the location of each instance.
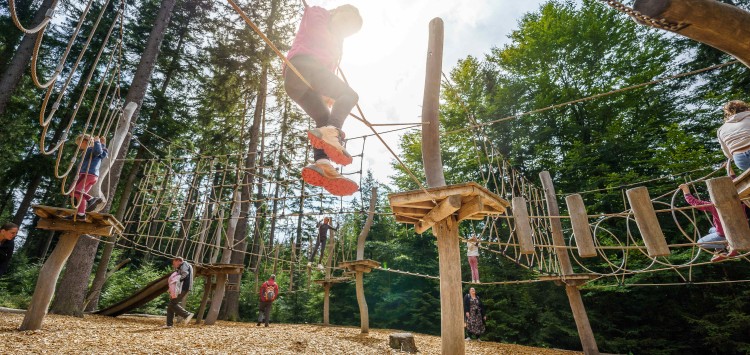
(712, 236)
(742, 160)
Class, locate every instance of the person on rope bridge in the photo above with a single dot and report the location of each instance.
(472, 252)
(269, 292)
(8, 233)
(180, 283)
(315, 53)
(734, 134)
(95, 150)
(323, 227)
(715, 238)
(474, 315)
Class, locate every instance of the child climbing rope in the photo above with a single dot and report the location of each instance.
(315, 53)
(323, 227)
(472, 252)
(88, 174)
(715, 238)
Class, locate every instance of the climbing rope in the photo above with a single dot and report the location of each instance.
(650, 21)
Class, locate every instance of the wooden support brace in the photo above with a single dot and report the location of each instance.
(439, 213)
(523, 225)
(76, 227)
(470, 208)
(648, 224)
(581, 230)
(731, 212)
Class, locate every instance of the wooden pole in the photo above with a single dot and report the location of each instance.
(47, 281)
(585, 333)
(446, 230)
(218, 296)
(714, 23)
(648, 223)
(731, 212)
(433, 162)
(451, 300)
(364, 313)
(581, 230)
(326, 294)
(207, 285)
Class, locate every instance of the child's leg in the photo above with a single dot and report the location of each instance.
(311, 102)
(322, 250)
(88, 182)
(712, 240)
(328, 134)
(474, 264)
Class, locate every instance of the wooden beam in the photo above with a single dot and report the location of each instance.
(470, 207)
(75, 227)
(451, 299)
(648, 224)
(585, 333)
(719, 25)
(555, 225)
(523, 225)
(404, 219)
(444, 209)
(731, 212)
(581, 229)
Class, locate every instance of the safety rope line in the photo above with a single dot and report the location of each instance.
(589, 98)
(47, 18)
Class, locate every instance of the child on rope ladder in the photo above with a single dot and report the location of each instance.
(715, 238)
(315, 53)
(323, 227)
(95, 151)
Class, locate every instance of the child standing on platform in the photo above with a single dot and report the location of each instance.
(315, 53)
(472, 252)
(95, 151)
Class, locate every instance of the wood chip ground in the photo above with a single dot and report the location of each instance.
(144, 335)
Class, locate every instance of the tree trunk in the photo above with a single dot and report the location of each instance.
(101, 271)
(72, 291)
(232, 297)
(14, 72)
(28, 197)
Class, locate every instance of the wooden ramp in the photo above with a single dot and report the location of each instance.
(137, 299)
(424, 208)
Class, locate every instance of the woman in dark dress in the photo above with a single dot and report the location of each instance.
(474, 315)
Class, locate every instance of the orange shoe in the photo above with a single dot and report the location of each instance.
(325, 175)
(331, 140)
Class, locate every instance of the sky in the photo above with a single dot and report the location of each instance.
(385, 62)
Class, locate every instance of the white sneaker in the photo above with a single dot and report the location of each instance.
(467, 339)
(166, 327)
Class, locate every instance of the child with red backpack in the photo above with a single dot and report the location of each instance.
(269, 291)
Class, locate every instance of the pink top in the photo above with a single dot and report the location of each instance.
(314, 39)
(174, 279)
(708, 207)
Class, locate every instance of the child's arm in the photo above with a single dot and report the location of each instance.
(693, 201)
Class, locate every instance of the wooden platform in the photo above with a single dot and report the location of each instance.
(54, 218)
(467, 201)
(214, 269)
(365, 265)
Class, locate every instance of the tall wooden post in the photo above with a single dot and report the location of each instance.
(585, 333)
(364, 313)
(47, 281)
(326, 302)
(446, 230)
